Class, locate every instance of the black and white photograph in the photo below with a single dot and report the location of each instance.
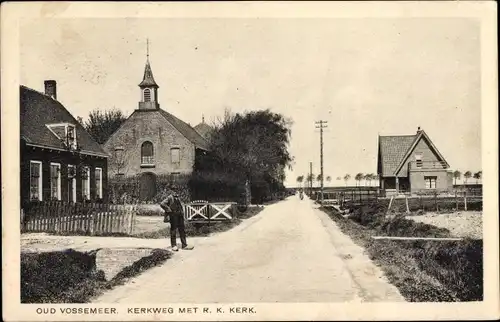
(197, 166)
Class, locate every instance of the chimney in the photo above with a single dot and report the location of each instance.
(51, 88)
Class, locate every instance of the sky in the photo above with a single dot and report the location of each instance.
(364, 76)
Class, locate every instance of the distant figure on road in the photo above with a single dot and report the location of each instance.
(173, 209)
(301, 195)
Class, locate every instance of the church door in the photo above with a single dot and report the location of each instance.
(147, 186)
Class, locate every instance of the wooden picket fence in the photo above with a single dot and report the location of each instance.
(88, 218)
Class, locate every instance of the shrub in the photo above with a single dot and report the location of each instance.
(127, 190)
(45, 276)
(216, 186)
(70, 276)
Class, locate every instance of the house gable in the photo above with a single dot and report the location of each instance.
(421, 146)
(391, 150)
(148, 125)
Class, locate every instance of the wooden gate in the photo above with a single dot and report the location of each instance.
(204, 211)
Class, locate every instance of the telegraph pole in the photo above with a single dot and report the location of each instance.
(321, 125)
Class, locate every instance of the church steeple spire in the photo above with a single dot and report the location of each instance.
(148, 86)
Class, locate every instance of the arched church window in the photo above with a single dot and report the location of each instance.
(147, 95)
(147, 153)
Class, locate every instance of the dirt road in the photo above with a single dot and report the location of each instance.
(290, 252)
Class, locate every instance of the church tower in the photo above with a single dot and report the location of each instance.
(149, 88)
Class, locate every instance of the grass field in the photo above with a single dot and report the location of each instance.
(423, 271)
(460, 224)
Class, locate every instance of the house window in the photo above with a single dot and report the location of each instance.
(175, 155)
(66, 132)
(430, 182)
(147, 153)
(36, 180)
(98, 182)
(175, 176)
(71, 183)
(86, 183)
(55, 181)
(418, 160)
(147, 95)
(71, 136)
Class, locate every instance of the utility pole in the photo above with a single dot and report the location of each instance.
(310, 179)
(321, 125)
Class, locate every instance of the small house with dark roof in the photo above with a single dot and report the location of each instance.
(152, 142)
(411, 164)
(204, 129)
(59, 159)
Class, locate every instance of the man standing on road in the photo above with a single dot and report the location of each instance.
(173, 208)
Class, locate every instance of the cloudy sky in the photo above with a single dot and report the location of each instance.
(364, 76)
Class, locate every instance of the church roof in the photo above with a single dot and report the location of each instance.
(148, 79)
(186, 130)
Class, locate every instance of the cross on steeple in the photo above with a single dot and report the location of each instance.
(148, 86)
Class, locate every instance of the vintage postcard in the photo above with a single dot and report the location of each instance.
(249, 161)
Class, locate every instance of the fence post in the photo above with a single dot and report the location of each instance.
(407, 206)
(456, 200)
(435, 201)
(465, 200)
(390, 203)
(132, 219)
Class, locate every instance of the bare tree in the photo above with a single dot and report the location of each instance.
(102, 124)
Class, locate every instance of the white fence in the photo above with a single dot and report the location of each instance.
(202, 211)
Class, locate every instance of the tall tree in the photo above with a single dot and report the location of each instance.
(478, 176)
(346, 178)
(328, 179)
(368, 178)
(457, 175)
(319, 178)
(102, 124)
(358, 178)
(467, 176)
(300, 179)
(251, 146)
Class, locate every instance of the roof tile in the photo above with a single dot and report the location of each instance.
(392, 150)
(37, 110)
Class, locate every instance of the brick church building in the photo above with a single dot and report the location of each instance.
(153, 142)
